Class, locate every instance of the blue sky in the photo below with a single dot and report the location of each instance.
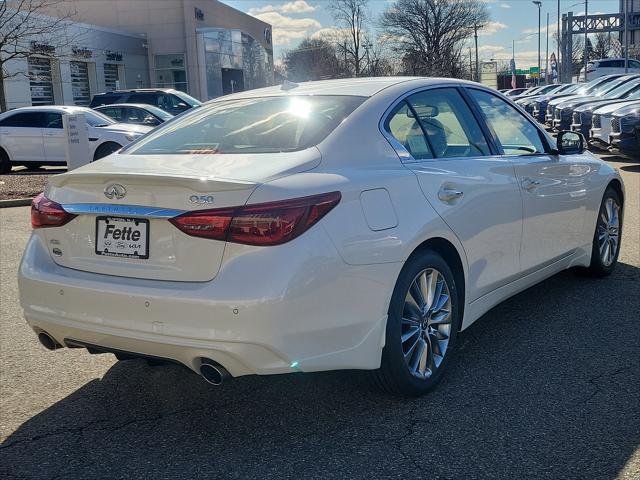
(510, 20)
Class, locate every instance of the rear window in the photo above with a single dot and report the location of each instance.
(251, 125)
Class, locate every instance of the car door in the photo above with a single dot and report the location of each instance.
(472, 189)
(22, 136)
(54, 138)
(554, 188)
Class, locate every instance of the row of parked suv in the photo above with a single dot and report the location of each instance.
(606, 111)
(34, 136)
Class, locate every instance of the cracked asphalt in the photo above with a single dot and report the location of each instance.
(546, 385)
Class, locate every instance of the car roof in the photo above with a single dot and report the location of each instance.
(50, 108)
(357, 87)
(144, 106)
(134, 90)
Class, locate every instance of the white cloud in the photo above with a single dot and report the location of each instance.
(505, 5)
(491, 28)
(287, 29)
(297, 6)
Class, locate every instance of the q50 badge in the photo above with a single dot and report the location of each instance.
(201, 199)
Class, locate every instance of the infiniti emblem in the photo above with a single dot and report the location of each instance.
(115, 190)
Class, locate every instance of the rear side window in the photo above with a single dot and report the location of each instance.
(104, 100)
(251, 125)
(446, 128)
(115, 113)
(146, 98)
(25, 119)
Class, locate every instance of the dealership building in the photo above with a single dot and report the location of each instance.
(202, 47)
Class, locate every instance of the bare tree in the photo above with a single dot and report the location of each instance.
(314, 59)
(430, 34)
(602, 47)
(351, 15)
(26, 31)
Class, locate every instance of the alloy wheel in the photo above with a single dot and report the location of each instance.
(609, 231)
(426, 323)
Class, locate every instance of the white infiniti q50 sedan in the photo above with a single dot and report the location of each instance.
(344, 224)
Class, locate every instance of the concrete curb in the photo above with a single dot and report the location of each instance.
(16, 202)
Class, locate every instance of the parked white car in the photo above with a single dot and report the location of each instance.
(608, 66)
(33, 136)
(601, 123)
(344, 224)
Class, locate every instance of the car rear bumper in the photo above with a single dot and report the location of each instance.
(293, 309)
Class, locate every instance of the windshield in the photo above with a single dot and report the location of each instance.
(607, 87)
(572, 88)
(621, 90)
(97, 119)
(188, 99)
(591, 87)
(158, 112)
(250, 125)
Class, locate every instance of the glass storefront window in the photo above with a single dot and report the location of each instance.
(235, 61)
(170, 72)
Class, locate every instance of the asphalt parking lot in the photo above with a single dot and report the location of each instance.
(547, 385)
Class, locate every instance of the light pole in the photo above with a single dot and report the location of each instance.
(586, 41)
(539, 4)
(546, 67)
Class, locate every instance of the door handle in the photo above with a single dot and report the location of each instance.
(448, 195)
(529, 184)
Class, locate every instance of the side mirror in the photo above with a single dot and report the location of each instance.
(570, 143)
(150, 120)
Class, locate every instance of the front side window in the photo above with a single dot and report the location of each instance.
(250, 125)
(24, 119)
(515, 132)
(446, 122)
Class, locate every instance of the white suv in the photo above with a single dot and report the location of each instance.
(607, 66)
(33, 136)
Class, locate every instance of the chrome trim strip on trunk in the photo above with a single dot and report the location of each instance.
(126, 210)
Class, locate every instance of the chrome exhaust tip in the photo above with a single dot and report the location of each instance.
(213, 373)
(48, 341)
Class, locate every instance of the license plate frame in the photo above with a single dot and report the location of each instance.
(104, 250)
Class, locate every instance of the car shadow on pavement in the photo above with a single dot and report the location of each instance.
(545, 386)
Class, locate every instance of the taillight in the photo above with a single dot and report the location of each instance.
(47, 213)
(263, 224)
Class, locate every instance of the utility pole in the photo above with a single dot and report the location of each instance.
(475, 34)
(546, 68)
(470, 65)
(586, 39)
(626, 36)
(539, 4)
(558, 44)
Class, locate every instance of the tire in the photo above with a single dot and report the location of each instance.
(105, 149)
(5, 163)
(608, 232)
(397, 374)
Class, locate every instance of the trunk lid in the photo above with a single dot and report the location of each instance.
(156, 189)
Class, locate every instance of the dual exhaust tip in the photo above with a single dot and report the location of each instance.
(212, 372)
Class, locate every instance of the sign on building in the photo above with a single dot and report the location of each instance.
(77, 145)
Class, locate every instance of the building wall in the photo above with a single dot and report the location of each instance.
(170, 27)
(99, 47)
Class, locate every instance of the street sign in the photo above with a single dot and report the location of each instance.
(77, 144)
